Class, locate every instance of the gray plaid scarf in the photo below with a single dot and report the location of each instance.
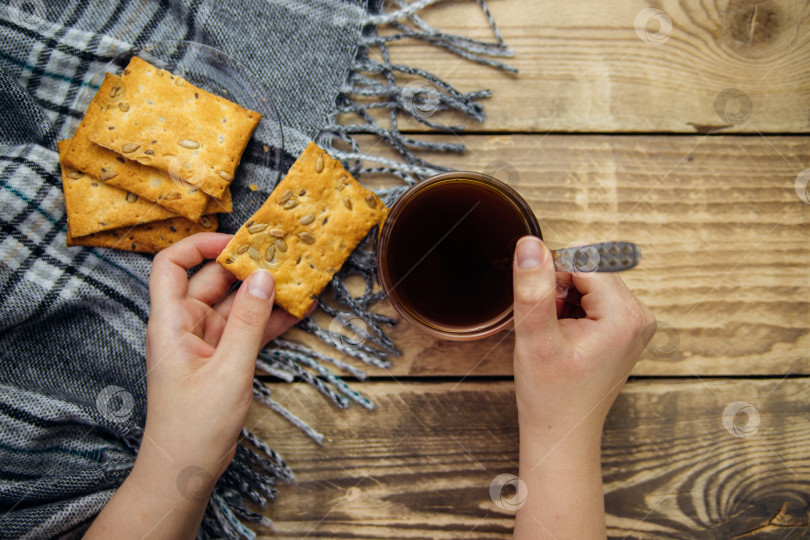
(72, 322)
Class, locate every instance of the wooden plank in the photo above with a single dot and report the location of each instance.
(420, 466)
(726, 262)
(584, 68)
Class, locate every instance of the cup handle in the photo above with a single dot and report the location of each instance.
(601, 257)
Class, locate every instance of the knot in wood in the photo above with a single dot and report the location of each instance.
(754, 24)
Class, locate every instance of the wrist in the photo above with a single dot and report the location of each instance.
(151, 502)
(561, 443)
(169, 482)
(562, 477)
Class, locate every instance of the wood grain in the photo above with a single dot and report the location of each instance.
(584, 68)
(420, 466)
(726, 262)
(726, 269)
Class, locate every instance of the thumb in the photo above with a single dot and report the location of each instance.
(535, 286)
(248, 318)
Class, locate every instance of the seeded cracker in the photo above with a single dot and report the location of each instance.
(305, 230)
(91, 160)
(147, 182)
(188, 132)
(146, 238)
(92, 169)
(93, 206)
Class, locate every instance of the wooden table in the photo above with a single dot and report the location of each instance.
(609, 134)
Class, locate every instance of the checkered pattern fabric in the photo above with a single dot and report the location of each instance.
(73, 320)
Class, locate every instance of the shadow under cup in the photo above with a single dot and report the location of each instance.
(445, 254)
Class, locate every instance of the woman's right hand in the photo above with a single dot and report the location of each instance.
(568, 372)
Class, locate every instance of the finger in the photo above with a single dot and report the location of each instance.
(603, 294)
(535, 287)
(247, 321)
(223, 307)
(210, 284)
(213, 327)
(280, 320)
(168, 281)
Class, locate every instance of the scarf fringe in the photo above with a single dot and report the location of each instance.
(354, 330)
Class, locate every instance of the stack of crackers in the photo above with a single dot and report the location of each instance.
(305, 230)
(151, 161)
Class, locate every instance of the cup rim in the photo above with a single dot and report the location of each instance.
(462, 334)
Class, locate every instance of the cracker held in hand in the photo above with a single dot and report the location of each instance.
(305, 230)
(165, 122)
(157, 186)
(146, 238)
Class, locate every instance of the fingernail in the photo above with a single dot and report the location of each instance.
(260, 284)
(530, 253)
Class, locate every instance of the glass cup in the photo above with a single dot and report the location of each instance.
(445, 254)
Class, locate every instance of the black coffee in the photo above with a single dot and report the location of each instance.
(450, 254)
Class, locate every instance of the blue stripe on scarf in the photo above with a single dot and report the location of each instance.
(53, 221)
(40, 71)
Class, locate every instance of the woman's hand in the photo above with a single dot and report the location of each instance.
(568, 373)
(201, 349)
